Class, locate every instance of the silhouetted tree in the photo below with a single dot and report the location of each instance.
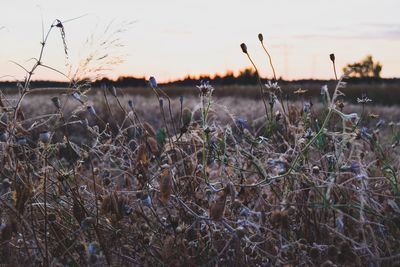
(366, 68)
(247, 76)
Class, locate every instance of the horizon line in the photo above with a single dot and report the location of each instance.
(199, 76)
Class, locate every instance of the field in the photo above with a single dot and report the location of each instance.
(278, 174)
(114, 177)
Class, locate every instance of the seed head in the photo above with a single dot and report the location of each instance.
(56, 101)
(3, 136)
(153, 82)
(244, 48)
(332, 57)
(153, 145)
(44, 136)
(217, 208)
(315, 169)
(260, 37)
(165, 185)
(146, 200)
(205, 88)
(149, 129)
(130, 103)
(93, 248)
(76, 95)
(59, 24)
(186, 116)
(91, 110)
(242, 123)
(113, 91)
(21, 141)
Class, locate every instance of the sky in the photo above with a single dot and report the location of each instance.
(170, 39)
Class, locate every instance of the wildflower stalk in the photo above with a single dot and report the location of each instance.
(331, 109)
(95, 190)
(170, 110)
(165, 121)
(205, 109)
(31, 72)
(244, 49)
(261, 38)
(332, 57)
(154, 87)
(46, 249)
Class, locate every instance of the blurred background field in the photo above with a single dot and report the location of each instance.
(381, 91)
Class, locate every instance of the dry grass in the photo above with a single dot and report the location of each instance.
(105, 179)
(117, 192)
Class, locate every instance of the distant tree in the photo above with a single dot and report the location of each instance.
(228, 78)
(247, 76)
(366, 68)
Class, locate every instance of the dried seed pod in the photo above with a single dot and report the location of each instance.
(44, 136)
(280, 219)
(230, 190)
(260, 37)
(186, 116)
(332, 57)
(217, 208)
(56, 101)
(130, 104)
(152, 143)
(146, 200)
(244, 47)
(165, 185)
(150, 130)
(113, 91)
(21, 141)
(91, 110)
(315, 169)
(142, 156)
(3, 136)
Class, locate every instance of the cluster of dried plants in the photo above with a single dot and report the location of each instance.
(84, 187)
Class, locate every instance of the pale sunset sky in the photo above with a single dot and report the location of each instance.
(170, 39)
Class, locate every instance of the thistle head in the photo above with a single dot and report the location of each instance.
(244, 47)
(332, 57)
(205, 88)
(260, 37)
